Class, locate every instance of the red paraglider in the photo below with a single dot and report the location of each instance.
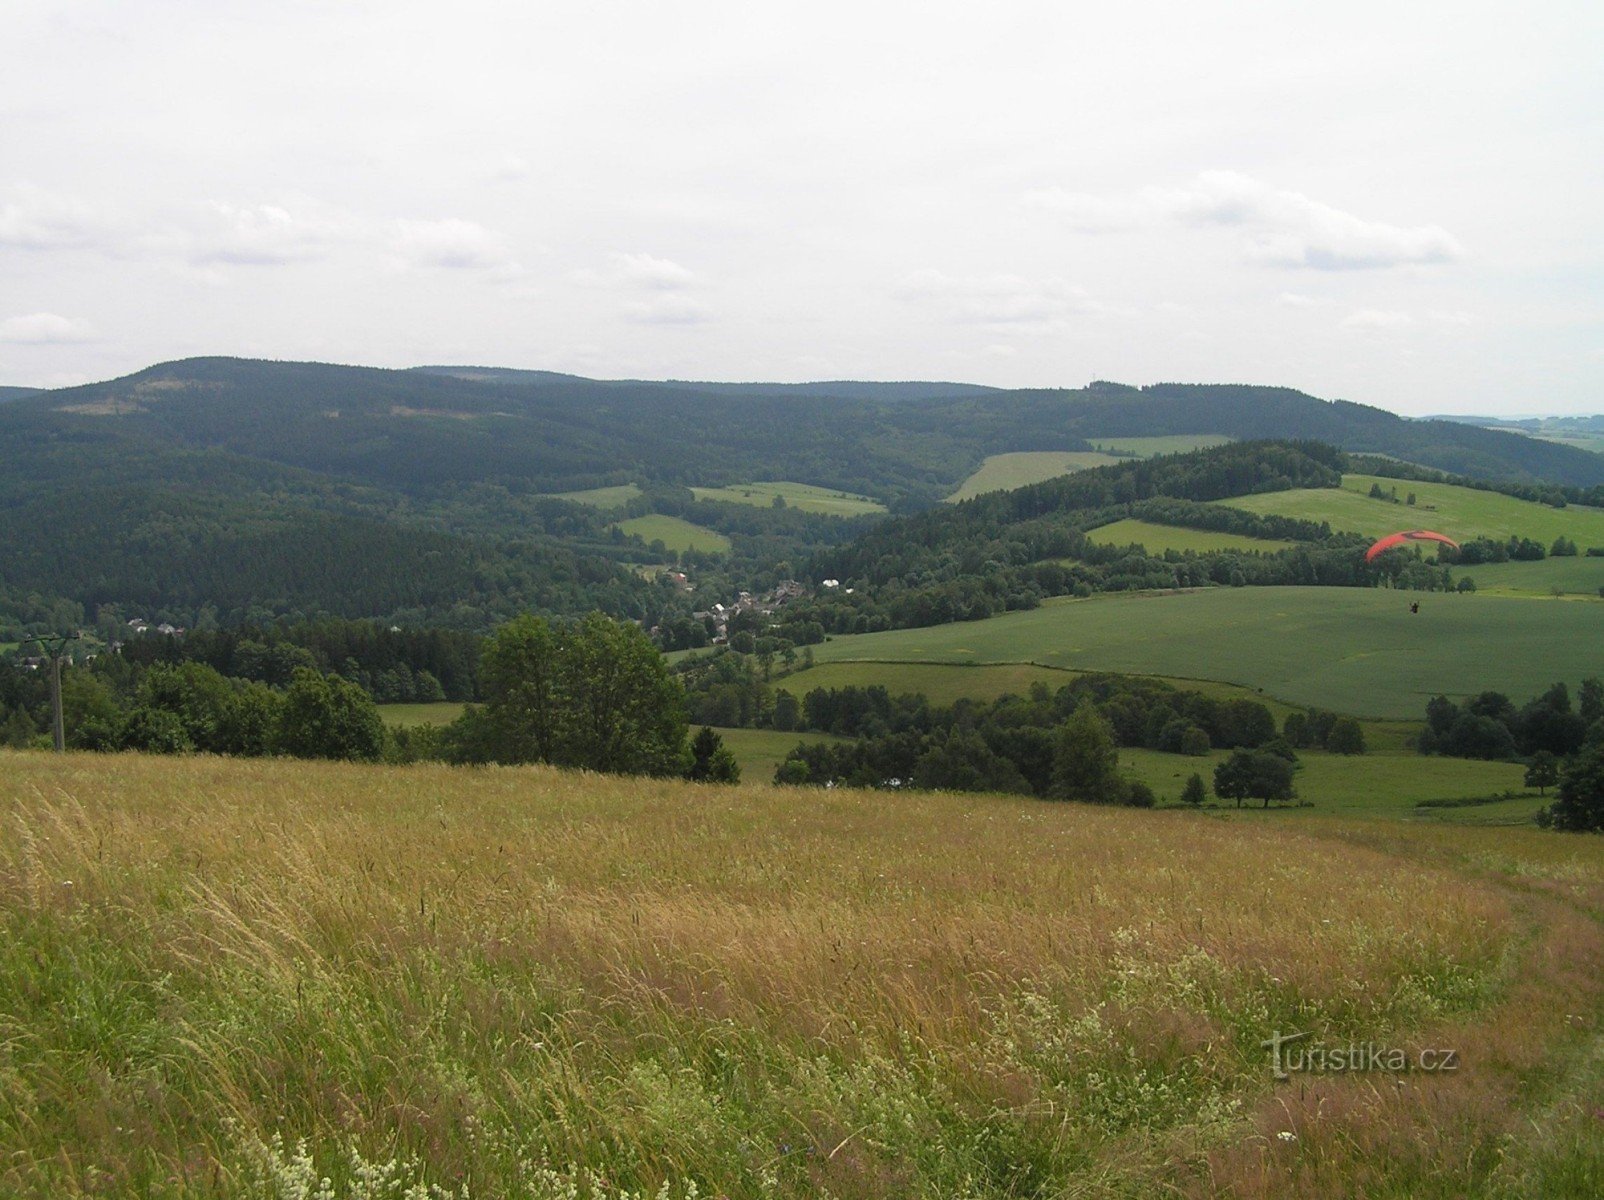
(1410, 535)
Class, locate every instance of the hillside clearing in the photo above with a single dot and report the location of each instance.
(675, 533)
(1376, 659)
(1459, 512)
(1152, 447)
(1004, 472)
(222, 974)
(801, 496)
(602, 497)
(1159, 538)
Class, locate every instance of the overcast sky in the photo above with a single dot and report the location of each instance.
(1396, 203)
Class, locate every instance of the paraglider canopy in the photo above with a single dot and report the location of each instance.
(1408, 535)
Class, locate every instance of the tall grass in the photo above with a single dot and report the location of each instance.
(225, 978)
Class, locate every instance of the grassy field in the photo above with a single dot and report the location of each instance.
(1150, 447)
(1003, 472)
(1159, 538)
(226, 979)
(1374, 659)
(1388, 784)
(442, 713)
(602, 497)
(675, 533)
(1579, 576)
(1459, 512)
(802, 496)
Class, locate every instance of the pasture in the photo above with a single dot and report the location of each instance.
(801, 496)
(1004, 472)
(1353, 650)
(675, 533)
(1459, 512)
(602, 497)
(239, 978)
(1159, 538)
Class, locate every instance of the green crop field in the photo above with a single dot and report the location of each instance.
(602, 497)
(273, 979)
(1353, 650)
(1004, 472)
(1159, 538)
(802, 496)
(1579, 576)
(675, 533)
(1593, 442)
(1151, 447)
(1456, 511)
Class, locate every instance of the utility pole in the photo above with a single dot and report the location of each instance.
(55, 647)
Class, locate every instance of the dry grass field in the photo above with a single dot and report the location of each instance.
(252, 978)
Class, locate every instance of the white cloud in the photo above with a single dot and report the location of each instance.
(1277, 227)
(34, 219)
(265, 234)
(998, 300)
(643, 270)
(1377, 319)
(44, 329)
(1299, 300)
(452, 243)
(669, 308)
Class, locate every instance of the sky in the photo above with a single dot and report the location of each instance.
(1394, 203)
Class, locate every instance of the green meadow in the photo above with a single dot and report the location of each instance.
(282, 980)
(602, 497)
(441, 712)
(1579, 576)
(674, 533)
(1152, 447)
(1159, 538)
(1352, 650)
(802, 496)
(1459, 512)
(1385, 784)
(1004, 472)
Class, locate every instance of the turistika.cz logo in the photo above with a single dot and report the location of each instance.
(1289, 1056)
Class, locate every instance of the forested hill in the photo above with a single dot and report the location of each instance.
(425, 432)
(834, 389)
(15, 393)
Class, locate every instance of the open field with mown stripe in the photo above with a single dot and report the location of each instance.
(1003, 472)
(802, 496)
(1352, 650)
(235, 977)
(1159, 538)
(675, 533)
(1459, 512)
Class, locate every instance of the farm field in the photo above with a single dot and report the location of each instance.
(1579, 576)
(1375, 658)
(802, 496)
(1151, 447)
(1459, 512)
(229, 978)
(1159, 538)
(602, 497)
(1004, 472)
(675, 533)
